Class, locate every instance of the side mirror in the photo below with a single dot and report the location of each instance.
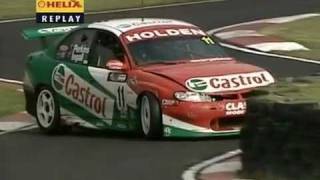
(116, 65)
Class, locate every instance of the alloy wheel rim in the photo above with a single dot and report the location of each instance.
(145, 115)
(45, 108)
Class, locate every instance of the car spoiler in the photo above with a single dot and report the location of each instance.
(44, 33)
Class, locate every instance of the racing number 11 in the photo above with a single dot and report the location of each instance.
(208, 40)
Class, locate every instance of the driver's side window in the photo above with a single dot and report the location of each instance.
(76, 47)
(106, 47)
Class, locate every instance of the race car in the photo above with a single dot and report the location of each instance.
(160, 77)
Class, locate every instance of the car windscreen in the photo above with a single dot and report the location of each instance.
(166, 50)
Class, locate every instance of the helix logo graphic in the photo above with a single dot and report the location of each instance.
(60, 11)
(60, 6)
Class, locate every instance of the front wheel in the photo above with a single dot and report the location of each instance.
(150, 116)
(47, 111)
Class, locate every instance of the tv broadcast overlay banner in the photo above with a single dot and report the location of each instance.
(60, 11)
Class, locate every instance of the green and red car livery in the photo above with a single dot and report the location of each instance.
(158, 76)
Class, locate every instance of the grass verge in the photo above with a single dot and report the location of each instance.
(305, 32)
(292, 90)
(26, 8)
(11, 100)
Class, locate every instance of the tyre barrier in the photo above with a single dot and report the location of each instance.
(281, 140)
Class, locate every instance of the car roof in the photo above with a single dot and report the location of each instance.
(120, 26)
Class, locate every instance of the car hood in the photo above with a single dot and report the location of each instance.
(212, 77)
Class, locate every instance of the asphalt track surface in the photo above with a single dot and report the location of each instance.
(111, 156)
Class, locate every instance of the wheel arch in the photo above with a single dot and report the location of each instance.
(31, 98)
(147, 92)
(42, 85)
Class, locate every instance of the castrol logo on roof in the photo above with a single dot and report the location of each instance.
(158, 33)
(233, 82)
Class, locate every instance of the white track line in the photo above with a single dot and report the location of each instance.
(122, 10)
(10, 125)
(11, 81)
(27, 126)
(269, 54)
(260, 21)
(192, 172)
(20, 90)
(23, 128)
(247, 50)
(16, 20)
(154, 7)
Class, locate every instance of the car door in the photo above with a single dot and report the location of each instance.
(106, 50)
(82, 99)
(92, 92)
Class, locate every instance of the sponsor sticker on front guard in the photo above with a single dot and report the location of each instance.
(235, 108)
(233, 82)
(117, 77)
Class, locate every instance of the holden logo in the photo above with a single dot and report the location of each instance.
(197, 84)
(58, 77)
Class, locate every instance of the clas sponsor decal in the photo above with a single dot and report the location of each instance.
(60, 11)
(235, 108)
(164, 33)
(232, 82)
(74, 88)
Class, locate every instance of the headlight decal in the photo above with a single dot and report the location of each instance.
(193, 97)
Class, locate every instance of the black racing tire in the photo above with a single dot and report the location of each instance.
(150, 116)
(47, 111)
